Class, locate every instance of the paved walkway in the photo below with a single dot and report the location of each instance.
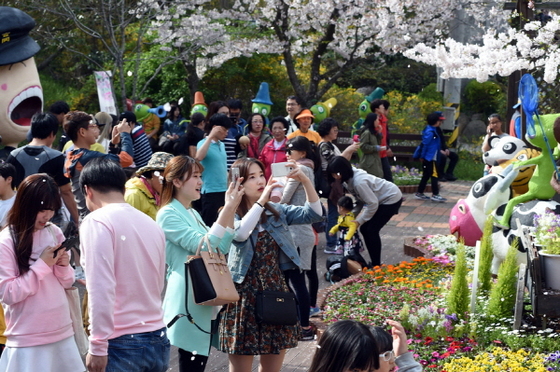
(416, 218)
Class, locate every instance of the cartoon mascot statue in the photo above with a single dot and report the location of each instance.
(21, 95)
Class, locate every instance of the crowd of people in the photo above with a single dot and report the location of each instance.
(142, 201)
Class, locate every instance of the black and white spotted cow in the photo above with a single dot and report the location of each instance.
(524, 213)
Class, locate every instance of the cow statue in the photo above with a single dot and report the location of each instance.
(468, 216)
(522, 216)
(539, 185)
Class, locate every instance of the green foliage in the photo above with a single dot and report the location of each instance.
(470, 166)
(408, 111)
(346, 109)
(54, 90)
(169, 85)
(458, 296)
(241, 78)
(486, 255)
(430, 93)
(395, 73)
(502, 295)
(488, 97)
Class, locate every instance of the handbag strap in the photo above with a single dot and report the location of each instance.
(188, 314)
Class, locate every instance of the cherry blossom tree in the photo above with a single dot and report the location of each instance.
(535, 47)
(329, 36)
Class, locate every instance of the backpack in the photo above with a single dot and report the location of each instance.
(322, 184)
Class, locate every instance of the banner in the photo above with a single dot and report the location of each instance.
(105, 92)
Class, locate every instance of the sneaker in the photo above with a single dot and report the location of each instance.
(331, 250)
(314, 311)
(450, 177)
(421, 196)
(442, 179)
(307, 334)
(438, 199)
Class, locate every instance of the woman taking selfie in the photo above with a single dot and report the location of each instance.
(184, 230)
(33, 278)
(262, 249)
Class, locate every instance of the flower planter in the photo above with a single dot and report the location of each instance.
(412, 189)
(412, 250)
(551, 270)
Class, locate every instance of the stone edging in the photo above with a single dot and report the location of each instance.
(321, 297)
(411, 189)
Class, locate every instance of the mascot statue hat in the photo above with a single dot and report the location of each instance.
(199, 99)
(376, 94)
(15, 43)
(263, 95)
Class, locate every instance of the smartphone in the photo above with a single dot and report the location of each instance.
(67, 244)
(281, 169)
(234, 174)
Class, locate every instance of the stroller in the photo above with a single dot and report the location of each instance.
(348, 263)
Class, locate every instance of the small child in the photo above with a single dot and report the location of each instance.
(346, 227)
(429, 149)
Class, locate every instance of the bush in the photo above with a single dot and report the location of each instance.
(488, 97)
(502, 295)
(486, 255)
(408, 112)
(458, 297)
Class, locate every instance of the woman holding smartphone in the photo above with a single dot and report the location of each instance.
(184, 230)
(261, 250)
(32, 283)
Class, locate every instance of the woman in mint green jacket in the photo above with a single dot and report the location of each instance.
(184, 230)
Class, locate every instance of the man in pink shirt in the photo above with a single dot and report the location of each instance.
(123, 255)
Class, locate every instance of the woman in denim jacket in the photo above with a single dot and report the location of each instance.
(261, 250)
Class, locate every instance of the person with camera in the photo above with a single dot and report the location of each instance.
(84, 132)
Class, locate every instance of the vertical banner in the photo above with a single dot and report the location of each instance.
(105, 92)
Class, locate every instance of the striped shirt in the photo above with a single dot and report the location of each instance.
(141, 144)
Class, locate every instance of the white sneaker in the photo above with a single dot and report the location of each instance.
(438, 199)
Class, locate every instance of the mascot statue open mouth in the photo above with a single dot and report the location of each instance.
(21, 95)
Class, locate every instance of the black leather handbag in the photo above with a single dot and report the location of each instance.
(277, 308)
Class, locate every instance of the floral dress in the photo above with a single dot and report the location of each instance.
(240, 333)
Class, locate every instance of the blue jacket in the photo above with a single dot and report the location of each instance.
(241, 253)
(431, 143)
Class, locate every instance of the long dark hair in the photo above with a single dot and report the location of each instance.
(369, 123)
(176, 169)
(36, 193)
(346, 345)
(244, 165)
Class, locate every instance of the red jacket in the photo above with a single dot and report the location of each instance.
(271, 155)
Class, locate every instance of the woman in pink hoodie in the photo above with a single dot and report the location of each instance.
(33, 277)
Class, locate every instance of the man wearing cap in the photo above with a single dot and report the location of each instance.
(39, 157)
(143, 191)
(304, 120)
(22, 96)
(431, 144)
